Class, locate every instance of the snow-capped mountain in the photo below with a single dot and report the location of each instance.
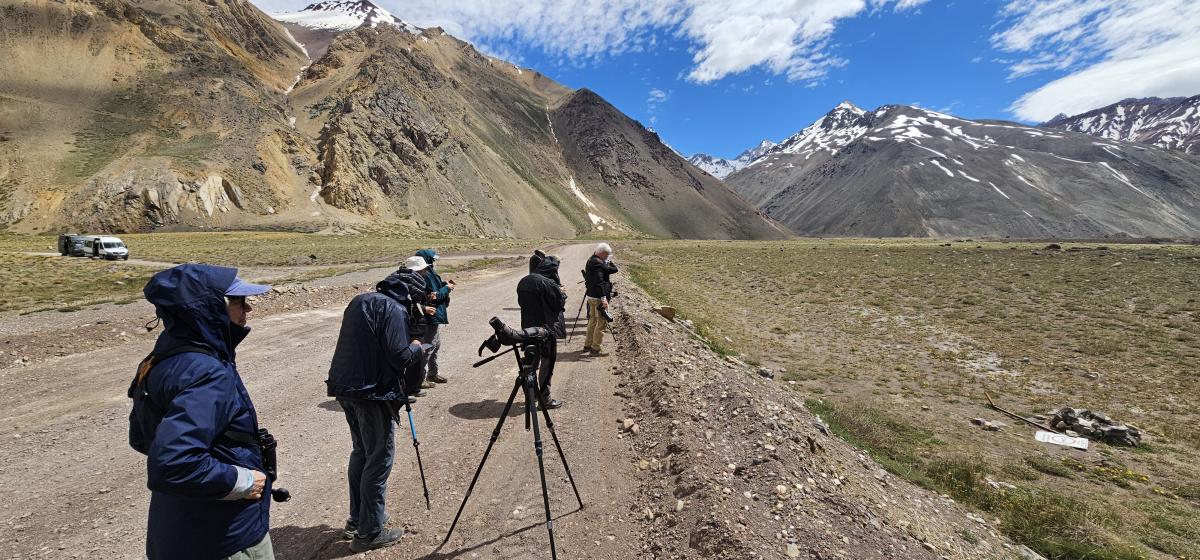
(841, 126)
(907, 171)
(1172, 123)
(721, 167)
(343, 15)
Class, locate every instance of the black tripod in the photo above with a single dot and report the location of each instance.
(528, 355)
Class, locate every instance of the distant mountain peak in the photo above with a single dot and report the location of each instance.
(848, 106)
(344, 15)
(721, 167)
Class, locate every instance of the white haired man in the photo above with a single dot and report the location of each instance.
(599, 291)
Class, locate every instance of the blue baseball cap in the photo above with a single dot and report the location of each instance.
(242, 288)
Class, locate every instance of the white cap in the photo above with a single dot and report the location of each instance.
(416, 264)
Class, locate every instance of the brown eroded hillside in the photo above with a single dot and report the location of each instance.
(127, 115)
(164, 114)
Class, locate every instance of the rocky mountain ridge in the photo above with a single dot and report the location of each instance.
(907, 171)
(1172, 123)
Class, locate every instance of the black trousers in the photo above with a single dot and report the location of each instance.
(546, 370)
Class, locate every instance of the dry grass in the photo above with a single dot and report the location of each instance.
(278, 248)
(884, 328)
(32, 282)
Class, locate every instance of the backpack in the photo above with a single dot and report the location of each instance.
(141, 395)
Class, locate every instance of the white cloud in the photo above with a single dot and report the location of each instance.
(1113, 49)
(786, 37)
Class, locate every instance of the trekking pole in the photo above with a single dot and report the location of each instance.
(417, 446)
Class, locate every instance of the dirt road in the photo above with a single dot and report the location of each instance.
(70, 487)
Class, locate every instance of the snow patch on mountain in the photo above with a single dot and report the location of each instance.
(344, 15)
(1172, 123)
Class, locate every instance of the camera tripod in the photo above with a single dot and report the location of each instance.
(528, 355)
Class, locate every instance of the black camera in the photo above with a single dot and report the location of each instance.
(267, 446)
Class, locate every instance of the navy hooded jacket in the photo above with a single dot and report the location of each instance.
(195, 398)
(373, 350)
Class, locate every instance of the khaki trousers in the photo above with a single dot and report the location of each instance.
(596, 324)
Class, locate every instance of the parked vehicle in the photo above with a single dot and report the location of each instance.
(72, 245)
(110, 248)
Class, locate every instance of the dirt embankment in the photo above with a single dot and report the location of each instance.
(735, 466)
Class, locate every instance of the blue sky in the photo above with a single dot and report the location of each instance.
(718, 76)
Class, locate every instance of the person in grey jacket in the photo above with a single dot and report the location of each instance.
(376, 365)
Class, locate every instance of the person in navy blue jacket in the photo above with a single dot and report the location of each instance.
(376, 365)
(206, 487)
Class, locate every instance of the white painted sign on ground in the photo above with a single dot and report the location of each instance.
(1059, 439)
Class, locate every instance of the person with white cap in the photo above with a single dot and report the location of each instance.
(193, 419)
(438, 297)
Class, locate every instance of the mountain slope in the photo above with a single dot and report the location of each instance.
(121, 115)
(1172, 123)
(721, 167)
(904, 171)
(185, 115)
(646, 182)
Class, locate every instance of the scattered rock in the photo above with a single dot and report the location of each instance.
(1027, 553)
(1095, 426)
(666, 311)
(766, 372)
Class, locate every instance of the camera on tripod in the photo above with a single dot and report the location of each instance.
(508, 336)
(526, 345)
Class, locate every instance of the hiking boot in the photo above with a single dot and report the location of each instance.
(427, 384)
(352, 527)
(411, 399)
(438, 379)
(386, 538)
(553, 404)
(420, 393)
(594, 352)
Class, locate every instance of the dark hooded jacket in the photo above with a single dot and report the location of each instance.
(435, 285)
(542, 300)
(374, 350)
(194, 399)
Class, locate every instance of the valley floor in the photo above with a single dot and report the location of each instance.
(894, 343)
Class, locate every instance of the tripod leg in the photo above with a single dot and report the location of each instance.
(558, 446)
(578, 314)
(488, 451)
(531, 403)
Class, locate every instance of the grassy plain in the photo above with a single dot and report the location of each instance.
(32, 282)
(894, 343)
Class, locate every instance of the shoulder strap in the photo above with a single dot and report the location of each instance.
(137, 389)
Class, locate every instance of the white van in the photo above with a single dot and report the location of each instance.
(110, 248)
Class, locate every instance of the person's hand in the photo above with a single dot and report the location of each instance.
(256, 490)
(416, 341)
(450, 283)
(432, 296)
(603, 304)
(430, 310)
